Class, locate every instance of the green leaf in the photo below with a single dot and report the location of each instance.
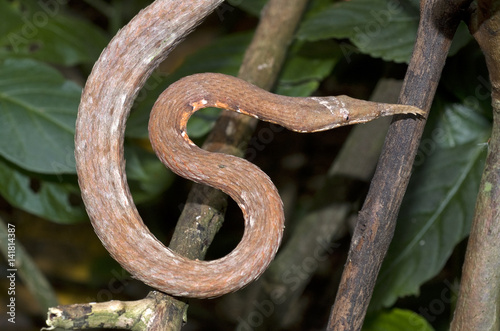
(254, 7)
(202, 122)
(37, 117)
(318, 57)
(396, 320)
(380, 28)
(439, 204)
(49, 197)
(224, 55)
(42, 31)
(300, 89)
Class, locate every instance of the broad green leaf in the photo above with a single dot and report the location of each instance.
(439, 204)
(299, 89)
(10, 19)
(42, 31)
(37, 117)
(396, 320)
(318, 58)
(380, 28)
(49, 197)
(202, 122)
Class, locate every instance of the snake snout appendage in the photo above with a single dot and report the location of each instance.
(398, 109)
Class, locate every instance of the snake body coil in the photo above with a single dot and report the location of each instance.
(106, 101)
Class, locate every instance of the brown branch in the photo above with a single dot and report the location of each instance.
(479, 296)
(377, 219)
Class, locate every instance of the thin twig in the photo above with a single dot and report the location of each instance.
(377, 219)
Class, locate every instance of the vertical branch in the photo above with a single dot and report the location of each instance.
(478, 305)
(377, 219)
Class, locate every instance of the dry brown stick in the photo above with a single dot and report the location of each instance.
(377, 219)
(479, 296)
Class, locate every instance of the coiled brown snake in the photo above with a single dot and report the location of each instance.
(106, 101)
